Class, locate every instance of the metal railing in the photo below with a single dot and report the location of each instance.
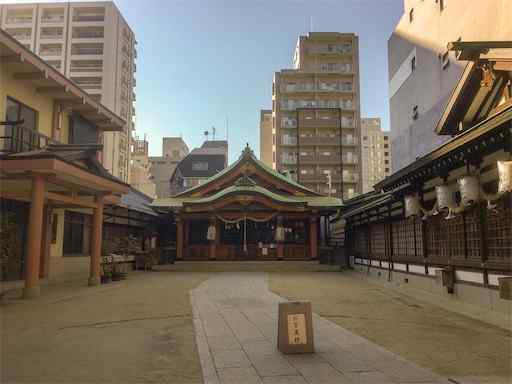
(15, 138)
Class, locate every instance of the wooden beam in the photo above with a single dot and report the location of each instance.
(70, 200)
(48, 90)
(30, 75)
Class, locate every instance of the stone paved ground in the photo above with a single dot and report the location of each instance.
(235, 319)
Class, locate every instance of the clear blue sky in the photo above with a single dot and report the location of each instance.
(202, 60)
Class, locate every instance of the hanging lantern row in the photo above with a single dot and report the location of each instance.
(471, 192)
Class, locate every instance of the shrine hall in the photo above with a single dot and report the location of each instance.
(248, 211)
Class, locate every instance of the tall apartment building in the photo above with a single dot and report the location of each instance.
(267, 138)
(375, 152)
(174, 149)
(315, 114)
(140, 176)
(90, 43)
(423, 74)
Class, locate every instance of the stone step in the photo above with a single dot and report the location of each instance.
(247, 266)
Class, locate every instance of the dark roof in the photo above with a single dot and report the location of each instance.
(70, 153)
(215, 144)
(216, 163)
(137, 201)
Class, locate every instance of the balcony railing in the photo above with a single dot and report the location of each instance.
(18, 19)
(99, 17)
(88, 35)
(52, 19)
(14, 138)
(51, 35)
(50, 52)
(21, 36)
(288, 160)
(321, 87)
(86, 51)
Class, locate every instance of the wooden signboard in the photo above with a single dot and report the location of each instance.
(295, 328)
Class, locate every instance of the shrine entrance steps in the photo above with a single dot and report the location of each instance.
(248, 266)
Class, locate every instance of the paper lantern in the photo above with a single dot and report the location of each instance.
(505, 176)
(445, 197)
(469, 189)
(412, 205)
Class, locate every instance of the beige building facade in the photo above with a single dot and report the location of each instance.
(375, 152)
(267, 138)
(423, 73)
(315, 115)
(140, 176)
(174, 149)
(90, 43)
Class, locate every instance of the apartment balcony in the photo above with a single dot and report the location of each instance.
(19, 19)
(288, 160)
(50, 52)
(20, 34)
(86, 66)
(308, 159)
(330, 51)
(88, 82)
(89, 17)
(317, 88)
(328, 159)
(351, 160)
(52, 19)
(288, 140)
(16, 138)
(330, 68)
(88, 35)
(87, 50)
(319, 141)
(291, 105)
(51, 36)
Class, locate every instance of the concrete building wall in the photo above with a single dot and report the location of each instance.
(375, 153)
(325, 80)
(422, 35)
(267, 138)
(90, 43)
(174, 149)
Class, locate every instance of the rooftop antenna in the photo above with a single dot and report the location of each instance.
(310, 23)
(213, 132)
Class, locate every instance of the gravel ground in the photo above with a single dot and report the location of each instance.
(450, 344)
(136, 331)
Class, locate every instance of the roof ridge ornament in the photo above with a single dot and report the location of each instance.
(247, 150)
(245, 181)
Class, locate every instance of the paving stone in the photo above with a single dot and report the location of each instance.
(230, 359)
(346, 362)
(220, 343)
(239, 376)
(272, 365)
(322, 373)
(284, 380)
(257, 349)
(372, 377)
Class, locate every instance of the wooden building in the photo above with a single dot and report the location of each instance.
(247, 212)
(450, 212)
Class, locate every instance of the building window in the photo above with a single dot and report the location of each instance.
(16, 111)
(387, 170)
(200, 166)
(386, 146)
(386, 153)
(413, 63)
(411, 15)
(386, 137)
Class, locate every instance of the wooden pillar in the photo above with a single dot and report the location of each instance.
(313, 238)
(45, 243)
(179, 239)
(33, 251)
(212, 254)
(96, 239)
(186, 237)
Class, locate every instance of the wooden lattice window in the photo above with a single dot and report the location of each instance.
(378, 241)
(473, 235)
(499, 235)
